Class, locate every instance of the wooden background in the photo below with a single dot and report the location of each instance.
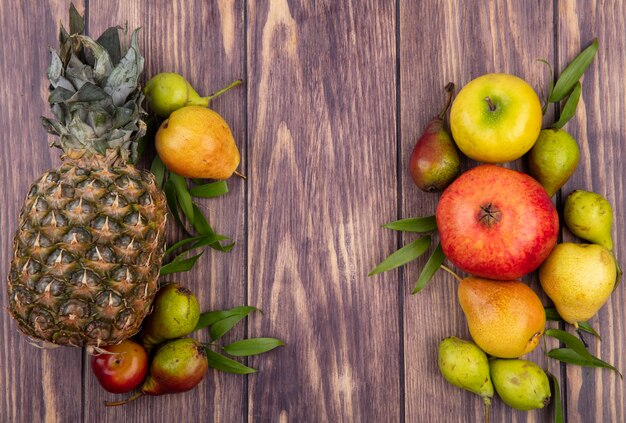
(336, 94)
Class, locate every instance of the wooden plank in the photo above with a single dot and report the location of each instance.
(441, 42)
(203, 41)
(322, 179)
(594, 394)
(29, 386)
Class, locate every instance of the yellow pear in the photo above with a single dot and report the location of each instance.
(579, 279)
(196, 142)
(506, 318)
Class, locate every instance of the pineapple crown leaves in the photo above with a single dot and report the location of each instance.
(95, 95)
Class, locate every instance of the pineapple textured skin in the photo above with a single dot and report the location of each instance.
(87, 254)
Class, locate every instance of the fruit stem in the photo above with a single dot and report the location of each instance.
(447, 269)
(126, 401)
(492, 107)
(241, 175)
(223, 90)
(487, 402)
(580, 336)
(450, 90)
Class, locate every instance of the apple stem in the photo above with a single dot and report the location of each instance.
(450, 90)
(122, 402)
(447, 269)
(492, 107)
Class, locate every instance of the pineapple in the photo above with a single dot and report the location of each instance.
(89, 244)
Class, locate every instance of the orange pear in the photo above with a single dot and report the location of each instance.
(506, 318)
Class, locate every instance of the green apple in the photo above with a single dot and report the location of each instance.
(496, 118)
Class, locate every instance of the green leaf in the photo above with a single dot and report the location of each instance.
(110, 40)
(182, 194)
(210, 317)
(213, 189)
(252, 346)
(172, 203)
(552, 314)
(225, 364)
(573, 72)
(222, 327)
(202, 227)
(556, 399)
(404, 255)
(587, 328)
(569, 109)
(77, 23)
(158, 170)
(179, 265)
(414, 224)
(430, 268)
(551, 86)
(571, 341)
(568, 355)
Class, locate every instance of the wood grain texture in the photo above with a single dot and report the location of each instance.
(29, 388)
(336, 94)
(450, 41)
(599, 127)
(322, 179)
(203, 41)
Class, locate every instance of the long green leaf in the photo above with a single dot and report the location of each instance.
(211, 317)
(569, 109)
(404, 255)
(221, 328)
(158, 170)
(219, 362)
(184, 198)
(430, 268)
(556, 399)
(587, 328)
(413, 224)
(172, 203)
(252, 346)
(203, 227)
(182, 243)
(210, 190)
(179, 265)
(570, 341)
(572, 73)
(568, 355)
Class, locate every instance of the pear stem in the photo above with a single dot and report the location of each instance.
(241, 175)
(580, 336)
(223, 90)
(450, 90)
(487, 402)
(123, 402)
(447, 269)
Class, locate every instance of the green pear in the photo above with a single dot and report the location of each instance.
(175, 313)
(553, 159)
(579, 279)
(589, 216)
(521, 384)
(167, 92)
(465, 365)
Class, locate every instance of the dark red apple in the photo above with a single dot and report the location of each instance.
(496, 223)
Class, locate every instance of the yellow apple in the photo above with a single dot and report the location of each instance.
(496, 118)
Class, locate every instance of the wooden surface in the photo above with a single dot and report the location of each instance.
(336, 94)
